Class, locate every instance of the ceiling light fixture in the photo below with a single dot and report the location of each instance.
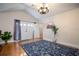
(43, 9)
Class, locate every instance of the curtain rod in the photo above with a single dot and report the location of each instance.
(27, 21)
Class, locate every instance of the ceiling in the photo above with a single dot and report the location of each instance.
(54, 8)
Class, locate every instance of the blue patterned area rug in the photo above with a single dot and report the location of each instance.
(46, 48)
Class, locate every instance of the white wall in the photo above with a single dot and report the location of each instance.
(68, 24)
(7, 19)
(48, 34)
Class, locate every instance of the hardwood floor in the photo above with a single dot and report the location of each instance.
(12, 49)
(15, 49)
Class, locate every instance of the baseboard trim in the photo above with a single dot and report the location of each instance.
(8, 42)
(69, 45)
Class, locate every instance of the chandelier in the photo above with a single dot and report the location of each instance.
(43, 9)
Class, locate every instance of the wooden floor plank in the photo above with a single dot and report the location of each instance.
(15, 48)
(12, 49)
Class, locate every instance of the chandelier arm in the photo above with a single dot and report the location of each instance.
(43, 9)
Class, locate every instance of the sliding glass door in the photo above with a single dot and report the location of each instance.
(26, 30)
(29, 30)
